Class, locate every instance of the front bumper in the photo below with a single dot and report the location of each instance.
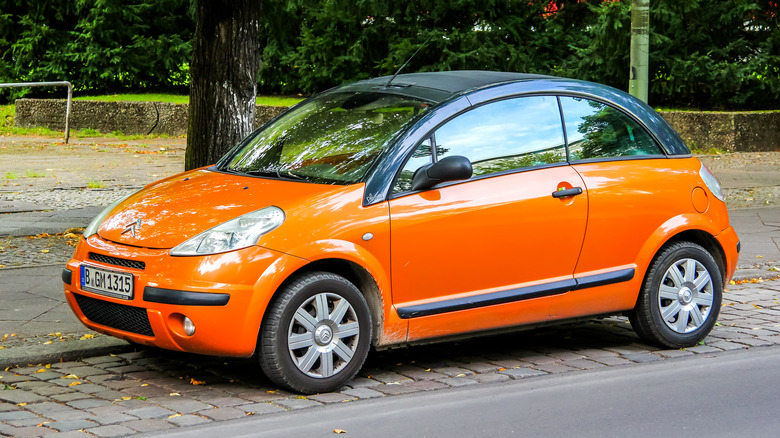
(730, 243)
(224, 295)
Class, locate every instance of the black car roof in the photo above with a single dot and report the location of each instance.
(440, 86)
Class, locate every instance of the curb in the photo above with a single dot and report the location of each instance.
(62, 352)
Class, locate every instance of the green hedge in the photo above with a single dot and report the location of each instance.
(710, 54)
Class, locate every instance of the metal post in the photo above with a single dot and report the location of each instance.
(50, 84)
(638, 83)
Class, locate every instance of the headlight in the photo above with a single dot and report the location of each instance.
(238, 233)
(93, 226)
(711, 182)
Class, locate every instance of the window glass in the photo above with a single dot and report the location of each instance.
(332, 138)
(420, 157)
(596, 130)
(505, 135)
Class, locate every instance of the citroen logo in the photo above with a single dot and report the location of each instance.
(132, 227)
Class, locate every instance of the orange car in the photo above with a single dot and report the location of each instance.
(397, 210)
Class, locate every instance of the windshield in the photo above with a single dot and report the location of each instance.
(333, 138)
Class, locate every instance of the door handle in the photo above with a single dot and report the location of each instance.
(574, 191)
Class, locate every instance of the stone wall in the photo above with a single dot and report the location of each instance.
(732, 131)
(128, 117)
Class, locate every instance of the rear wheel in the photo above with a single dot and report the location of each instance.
(316, 334)
(681, 297)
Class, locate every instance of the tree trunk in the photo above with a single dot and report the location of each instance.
(223, 78)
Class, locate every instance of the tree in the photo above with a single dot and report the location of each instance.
(223, 78)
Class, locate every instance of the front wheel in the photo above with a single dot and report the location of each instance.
(680, 298)
(316, 334)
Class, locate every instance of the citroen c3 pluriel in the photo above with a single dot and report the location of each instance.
(405, 209)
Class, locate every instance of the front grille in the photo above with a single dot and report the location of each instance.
(134, 264)
(118, 316)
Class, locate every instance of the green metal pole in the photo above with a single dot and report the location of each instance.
(638, 83)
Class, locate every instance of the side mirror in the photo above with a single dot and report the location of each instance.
(450, 168)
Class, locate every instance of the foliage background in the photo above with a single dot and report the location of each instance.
(707, 54)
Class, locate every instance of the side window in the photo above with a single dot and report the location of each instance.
(505, 135)
(420, 157)
(596, 130)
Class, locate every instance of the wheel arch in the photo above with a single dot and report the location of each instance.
(706, 241)
(356, 275)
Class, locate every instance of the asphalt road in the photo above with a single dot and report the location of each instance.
(732, 394)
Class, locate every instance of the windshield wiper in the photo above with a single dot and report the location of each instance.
(273, 173)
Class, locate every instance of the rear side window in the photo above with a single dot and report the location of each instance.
(597, 130)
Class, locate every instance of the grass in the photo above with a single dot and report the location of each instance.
(95, 184)
(11, 175)
(33, 174)
(177, 98)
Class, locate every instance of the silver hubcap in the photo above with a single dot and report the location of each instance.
(685, 296)
(323, 335)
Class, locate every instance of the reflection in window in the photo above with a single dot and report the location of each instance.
(596, 130)
(506, 135)
(334, 137)
(420, 157)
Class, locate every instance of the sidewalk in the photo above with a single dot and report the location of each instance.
(41, 326)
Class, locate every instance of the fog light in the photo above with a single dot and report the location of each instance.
(189, 327)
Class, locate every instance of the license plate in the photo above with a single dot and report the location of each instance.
(111, 283)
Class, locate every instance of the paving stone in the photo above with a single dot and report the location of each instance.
(510, 363)
(363, 393)
(16, 415)
(148, 425)
(671, 354)
(453, 371)
(755, 342)
(297, 403)
(88, 403)
(612, 360)
(20, 396)
(188, 420)
(113, 418)
(222, 402)
(727, 346)
(70, 434)
(111, 431)
(121, 369)
(428, 385)
(331, 397)
(50, 390)
(222, 414)
(261, 408)
(85, 371)
(146, 391)
(417, 373)
(362, 382)
(555, 368)
(390, 377)
(56, 411)
(457, 381)
(28, 422)
(47, 375)
(89, 388)
(179, 404)
(151, 412)
(263, 396)
(482, 367)
(75, 424)
(100, 359)
(69, 396)
(538, 359)
(583, 364)
(642, 357)
(703, 349)
(490, 378)
(9, 378)
(521, 373)
(109, 395)
(32, 431)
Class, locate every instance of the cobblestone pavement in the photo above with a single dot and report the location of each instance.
(154, 390)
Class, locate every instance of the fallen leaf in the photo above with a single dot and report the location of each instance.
(70, 376)
(77, 382)
(144, 384)
(45, 251)
(757, 306)
(174, 416)
(126, 398)
(197, 382)
(759, 257)
(21, 404)
(141, 398)
(87, 336)
(174, 394)
(42, 370)
(48, 342)
(339, 431)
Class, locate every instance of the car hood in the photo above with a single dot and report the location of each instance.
(173, 210)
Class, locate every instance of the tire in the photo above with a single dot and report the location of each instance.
(316, 334)
(680, 298)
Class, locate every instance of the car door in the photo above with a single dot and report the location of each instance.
(483, 253)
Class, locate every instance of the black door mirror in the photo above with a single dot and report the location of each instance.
(450, 168)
